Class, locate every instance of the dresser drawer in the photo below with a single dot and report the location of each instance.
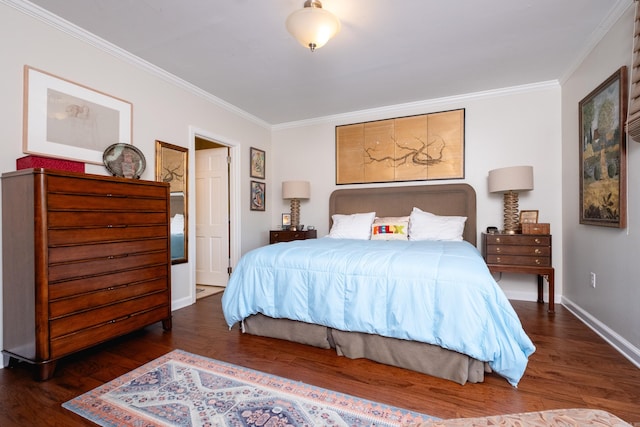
(58, 219)
(85, 338)
(518, 250)
(87, 186)
(289, 236)
(541, 261)
(106, 296)
(59, 254)
(71, 202)
(83, 285)
(111, 313)
(518, 239)
(67, 271)
(69, 236)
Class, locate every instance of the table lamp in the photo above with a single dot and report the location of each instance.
(510, 181)
(295, 190)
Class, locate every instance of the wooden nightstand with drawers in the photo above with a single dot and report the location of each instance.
(521, 253)
(277, 236)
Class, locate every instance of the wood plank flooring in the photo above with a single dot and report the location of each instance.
(571, 368)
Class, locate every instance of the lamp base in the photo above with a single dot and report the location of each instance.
(295, 214)
(511, 214)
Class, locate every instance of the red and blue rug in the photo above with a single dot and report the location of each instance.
(184, 389)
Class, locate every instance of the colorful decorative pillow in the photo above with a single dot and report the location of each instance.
(355, 226)
(390, 228)
(428, 226)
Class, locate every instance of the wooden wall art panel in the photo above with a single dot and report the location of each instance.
(414, 148)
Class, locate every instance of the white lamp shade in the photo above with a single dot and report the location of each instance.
(313, 26)
(515, 178)
(296, 190)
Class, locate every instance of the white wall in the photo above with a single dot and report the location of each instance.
(163, 109)
(516, 126)
(612, 307)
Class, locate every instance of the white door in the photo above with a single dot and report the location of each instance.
(212, 216)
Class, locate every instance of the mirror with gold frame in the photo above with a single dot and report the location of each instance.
(172, 167)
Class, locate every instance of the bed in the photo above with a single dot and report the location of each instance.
(431, 321)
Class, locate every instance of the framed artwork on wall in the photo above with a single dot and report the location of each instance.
(257, 163)
(66, 120)
(603, 148)
(415, 148)
(257, 196)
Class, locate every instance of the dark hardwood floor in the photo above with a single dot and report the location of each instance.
(571, 368)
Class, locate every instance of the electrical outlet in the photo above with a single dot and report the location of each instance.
(593, 279)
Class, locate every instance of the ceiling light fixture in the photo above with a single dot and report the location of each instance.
(313, 26)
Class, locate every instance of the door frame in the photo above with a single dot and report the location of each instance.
(234, 199)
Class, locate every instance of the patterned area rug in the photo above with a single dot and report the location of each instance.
(184, 389)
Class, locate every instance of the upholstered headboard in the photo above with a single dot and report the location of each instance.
(444, 199)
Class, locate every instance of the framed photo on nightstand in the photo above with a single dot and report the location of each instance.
(528, 217)
(286, 221)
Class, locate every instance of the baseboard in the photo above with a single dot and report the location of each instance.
(181, 303)
(625, 348)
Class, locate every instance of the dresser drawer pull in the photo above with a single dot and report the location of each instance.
(117, 256)
(498, 249)
(117, 226)
(537, 251)
(538, 261)
(497, 240)
(498, 260)
(537, 240)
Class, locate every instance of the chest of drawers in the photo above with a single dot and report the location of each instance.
(86, 258)
(276, 236)
(521, 253)
(517, 249)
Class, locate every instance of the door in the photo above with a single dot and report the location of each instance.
(212, 218)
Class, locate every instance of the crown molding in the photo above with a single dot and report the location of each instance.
(83, 35)
(426, 105)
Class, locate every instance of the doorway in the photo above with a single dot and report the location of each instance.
(213, 216)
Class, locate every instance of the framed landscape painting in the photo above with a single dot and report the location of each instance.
(603, 148)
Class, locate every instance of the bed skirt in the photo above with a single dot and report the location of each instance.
(420, 357)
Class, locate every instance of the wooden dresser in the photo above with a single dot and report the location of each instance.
(86, 258)
(521, 253)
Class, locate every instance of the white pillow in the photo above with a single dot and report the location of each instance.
(390, 228)
(177, 224)
(427, 226)
(355, 226)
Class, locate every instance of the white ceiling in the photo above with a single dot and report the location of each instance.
(388, 51)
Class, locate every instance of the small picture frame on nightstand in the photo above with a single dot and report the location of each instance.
(528, 217)
(286, 221)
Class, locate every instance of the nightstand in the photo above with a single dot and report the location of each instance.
(521, 253)
(277, 236)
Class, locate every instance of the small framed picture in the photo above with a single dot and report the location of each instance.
(286, 221)
(257, 163)
(528, 217)
(257, 196)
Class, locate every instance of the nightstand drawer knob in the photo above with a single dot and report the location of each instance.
(498, 260)
(498, 249)
(497, 240)
(538, 262)
(537, 241)
(537, 251)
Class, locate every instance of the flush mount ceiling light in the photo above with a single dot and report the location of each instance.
(313, 26)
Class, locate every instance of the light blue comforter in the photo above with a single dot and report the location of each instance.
(430, 291)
